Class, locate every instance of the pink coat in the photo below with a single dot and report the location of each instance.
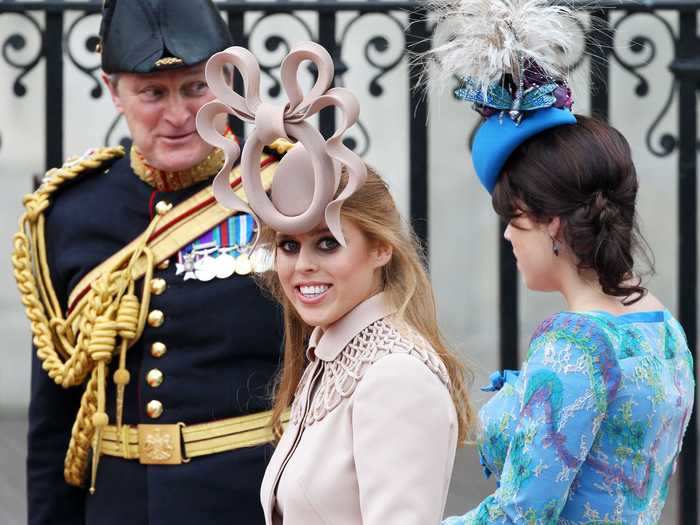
(373, 429)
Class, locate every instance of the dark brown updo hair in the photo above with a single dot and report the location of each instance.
(584, 175)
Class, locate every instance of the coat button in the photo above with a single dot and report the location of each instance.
(154, 409)
(156, 318)
(158, 286)
(154, 378)
(163, 207)
(158, 349)
(164, 265)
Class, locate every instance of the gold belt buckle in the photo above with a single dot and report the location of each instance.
(161, 444)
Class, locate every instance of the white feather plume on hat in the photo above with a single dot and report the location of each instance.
(491, 38)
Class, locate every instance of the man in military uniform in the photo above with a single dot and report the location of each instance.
(137, 288)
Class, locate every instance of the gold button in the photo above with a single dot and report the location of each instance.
(154, 378)
(154, 409)
(164, 265)
(158, 349)
(158, 286)
(163, 207)
(156, 318)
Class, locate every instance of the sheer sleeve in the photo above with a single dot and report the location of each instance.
(569, 378)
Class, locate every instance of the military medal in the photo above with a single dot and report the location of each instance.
(205, 268)
(185, 265)
(220, 252)
(225, 266)
(243, 264)
(245, 231)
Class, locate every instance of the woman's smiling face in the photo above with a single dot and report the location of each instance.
(324, 280)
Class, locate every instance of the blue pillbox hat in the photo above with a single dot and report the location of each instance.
(499, 136)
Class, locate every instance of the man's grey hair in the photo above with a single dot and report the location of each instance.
(113, 79)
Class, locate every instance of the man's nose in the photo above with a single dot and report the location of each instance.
(177, 112)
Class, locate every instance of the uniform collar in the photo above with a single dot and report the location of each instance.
(329, 343)
(167, 181)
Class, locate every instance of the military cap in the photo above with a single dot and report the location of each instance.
(144, 36)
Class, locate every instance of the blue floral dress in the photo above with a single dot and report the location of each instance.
(589, 432)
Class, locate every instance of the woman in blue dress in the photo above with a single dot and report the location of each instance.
(590, 429)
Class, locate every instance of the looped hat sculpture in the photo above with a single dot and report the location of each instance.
(304, 188)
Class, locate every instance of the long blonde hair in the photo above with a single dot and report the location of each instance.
(406, 284)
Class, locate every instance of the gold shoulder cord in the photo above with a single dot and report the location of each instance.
(82, 343)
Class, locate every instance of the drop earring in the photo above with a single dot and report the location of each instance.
(555, 247)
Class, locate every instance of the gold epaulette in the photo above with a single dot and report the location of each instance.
(91, 161)
(29, 254)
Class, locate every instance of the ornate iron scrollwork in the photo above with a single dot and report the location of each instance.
(90, 44)
(276, 44)
(17, 42)
(379, 44)
(645, 46)
(110, 135)
(358, 138)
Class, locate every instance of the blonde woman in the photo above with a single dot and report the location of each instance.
(377, 400)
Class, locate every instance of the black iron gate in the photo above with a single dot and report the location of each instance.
(600, 45)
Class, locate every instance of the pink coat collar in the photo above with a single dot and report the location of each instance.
(329, 343)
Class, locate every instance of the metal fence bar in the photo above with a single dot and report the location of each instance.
(236, 25)
(598, 46)
(686, 67)
(508, 311)
(53, 50)
(417, 41)
(327, 38)
(349, 5)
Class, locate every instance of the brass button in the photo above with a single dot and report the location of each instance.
(158, 286)
(164, 265)
(154, 409)
(156, 318)
(163, 207)
(154, 378)
(158, 349)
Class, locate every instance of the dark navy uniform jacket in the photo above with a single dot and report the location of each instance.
(223, 341)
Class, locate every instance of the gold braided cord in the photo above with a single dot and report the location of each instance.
(75, 464)
(31, 268)
(281, 146)
(82, 344)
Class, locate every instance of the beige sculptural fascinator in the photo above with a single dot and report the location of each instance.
(303, 192)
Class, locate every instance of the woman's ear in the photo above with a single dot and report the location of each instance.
(382, 253)
(554, 228)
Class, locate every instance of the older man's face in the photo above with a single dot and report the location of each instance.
(160, 110)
